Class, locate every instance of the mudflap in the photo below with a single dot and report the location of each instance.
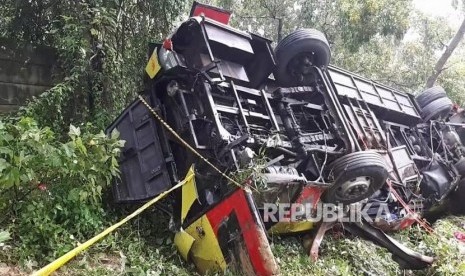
(229, 236)
(405, 257)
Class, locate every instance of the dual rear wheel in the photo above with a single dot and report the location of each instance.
(434, 103)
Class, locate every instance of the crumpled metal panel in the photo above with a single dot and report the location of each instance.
(436, 181)
(229, 39)
(229, 235)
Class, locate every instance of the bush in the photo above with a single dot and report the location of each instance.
(50, 191)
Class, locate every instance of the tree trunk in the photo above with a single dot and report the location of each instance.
(439, 67)
(280, 29)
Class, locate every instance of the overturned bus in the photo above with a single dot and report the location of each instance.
(290, 129)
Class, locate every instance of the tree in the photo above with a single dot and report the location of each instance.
(401, 63)
(349, 24)
(101, 46)
(439, 67)
(270, 18)
(406, 64)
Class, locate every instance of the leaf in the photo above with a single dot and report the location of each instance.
(74, 131)
(120, 143)
(7, 137)
(67, 150)
(6, 151)
(114, 162)
(74, 195)
(93, 32)
(66, 18)
(114, 134)
(10, 178)
(80, 146)
(83, 195)
(3, 164)
(4, 236)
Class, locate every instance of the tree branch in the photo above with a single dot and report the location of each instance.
(438, 68)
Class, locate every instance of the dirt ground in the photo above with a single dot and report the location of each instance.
(6, 270)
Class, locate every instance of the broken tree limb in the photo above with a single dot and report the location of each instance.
(439, 67)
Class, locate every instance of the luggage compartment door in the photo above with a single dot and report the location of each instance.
(142, 162)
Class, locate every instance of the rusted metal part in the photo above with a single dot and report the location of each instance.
(320, 234)
(396, 225)
(405, 257)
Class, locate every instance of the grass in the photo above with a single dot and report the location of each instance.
(353, 256)
(144, 247)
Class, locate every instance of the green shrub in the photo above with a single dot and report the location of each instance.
(4, 236)
(50, 191)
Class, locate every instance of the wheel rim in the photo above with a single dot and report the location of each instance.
(354, 187)
(300, 66)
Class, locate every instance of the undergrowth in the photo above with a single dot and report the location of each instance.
(345, 255)
(145, 247)
(51, 191)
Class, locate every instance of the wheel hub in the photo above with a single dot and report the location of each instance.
(354, 188)
(301, 66)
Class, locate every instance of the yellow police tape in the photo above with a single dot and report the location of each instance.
(53, 266)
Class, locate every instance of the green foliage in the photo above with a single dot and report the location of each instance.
(101, 47)
(448, 251)
(352, 256)
(147, 244)
(51, 192)
(24, 152)
(4, 236)
(350, 24)
(144, 247)
(338, 256)
(407, 64)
